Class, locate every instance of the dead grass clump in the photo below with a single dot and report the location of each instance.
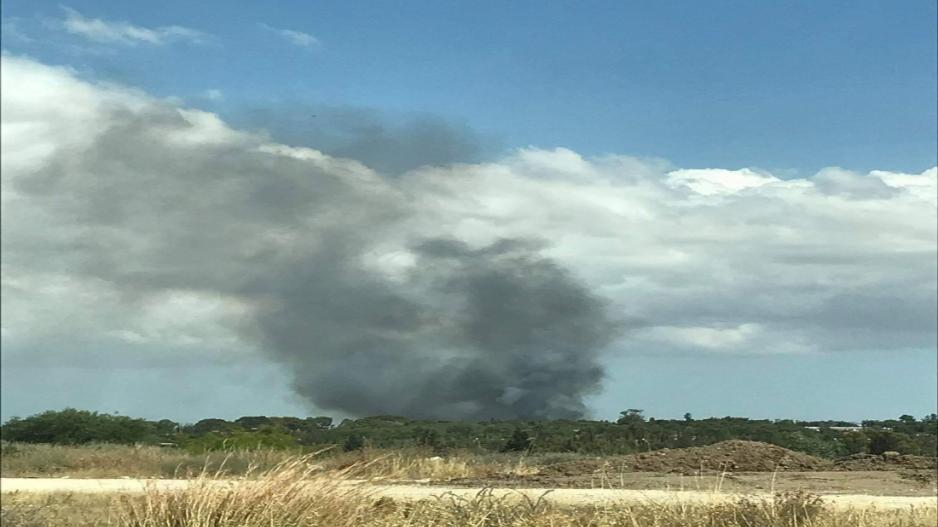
(110, 461)
(297, 498)
(114, 461)
(298, 492)
(57, 510)
(406, 464)
(291, 494)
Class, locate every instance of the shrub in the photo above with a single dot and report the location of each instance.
(70, 427)
(353, 442)
(518, 442)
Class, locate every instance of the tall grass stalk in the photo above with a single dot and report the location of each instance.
(297, 493)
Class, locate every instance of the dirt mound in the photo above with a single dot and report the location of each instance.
(731, 456)
(885, 462)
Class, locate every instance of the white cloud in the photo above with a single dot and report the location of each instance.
(297, 38)
(102, 185)
(120, 32)
(724, 261)
(709, 182)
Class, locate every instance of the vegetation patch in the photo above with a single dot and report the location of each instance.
(632, 433)
(297, 494)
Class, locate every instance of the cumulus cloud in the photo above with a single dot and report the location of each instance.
(297, 38)
(125, 33)
(709, 182)
(134, 230)
(282, 247)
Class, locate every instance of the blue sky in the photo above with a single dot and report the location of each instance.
(778, 85)
(758, 92)
(852, 387)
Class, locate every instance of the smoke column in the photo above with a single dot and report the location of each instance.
(151, 198)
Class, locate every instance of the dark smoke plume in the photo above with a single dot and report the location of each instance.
(387, 144)
(464, 332)
(497, 332)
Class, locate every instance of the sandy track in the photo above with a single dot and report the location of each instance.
(414, 492)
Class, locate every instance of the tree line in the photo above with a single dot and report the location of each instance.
(631, 433)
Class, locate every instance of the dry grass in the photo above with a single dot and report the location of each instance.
(297, 493)
(291, 494)
(57, 510)
(418, 464)
(402, 465)
(115, 461)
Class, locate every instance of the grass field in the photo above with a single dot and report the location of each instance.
(114, 461)
(469, 469)
(297, 493)
(294, 490)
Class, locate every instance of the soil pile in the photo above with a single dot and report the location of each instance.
(885, 462)
(730, 456)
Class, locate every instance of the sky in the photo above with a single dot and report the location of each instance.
(216, 209)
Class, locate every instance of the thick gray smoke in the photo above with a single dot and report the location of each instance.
(391, 146)
(496, 332)
(463, 332)
(138, 236)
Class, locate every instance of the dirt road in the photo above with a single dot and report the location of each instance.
(870, 482)
(414, 492)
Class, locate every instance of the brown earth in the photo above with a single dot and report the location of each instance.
(876, 483)
(726, 456)
(913, 468)
(740, 466)
(883, 462)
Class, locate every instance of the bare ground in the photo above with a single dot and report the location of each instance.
(875, 483)
(733, 466)
(564, 497)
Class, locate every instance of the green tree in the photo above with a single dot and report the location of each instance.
(631, 416)
(323, 423)
(856, 443)
(211, 425)
(165, 427)
(71, 426)
(883, 442)
(353, 442)
(518, 442)
(265, 438)
(427, 437)
(253, 422)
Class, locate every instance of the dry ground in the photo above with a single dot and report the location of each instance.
(730, 484)
(299, 493)
(875, 483)
(410, 491)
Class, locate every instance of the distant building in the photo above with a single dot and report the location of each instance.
(836, 428)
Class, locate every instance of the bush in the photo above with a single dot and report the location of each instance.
(265, 438)
(353, 442)
(518, 442)
(72, 427)
(883, 442)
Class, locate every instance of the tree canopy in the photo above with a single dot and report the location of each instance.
(630, 433)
